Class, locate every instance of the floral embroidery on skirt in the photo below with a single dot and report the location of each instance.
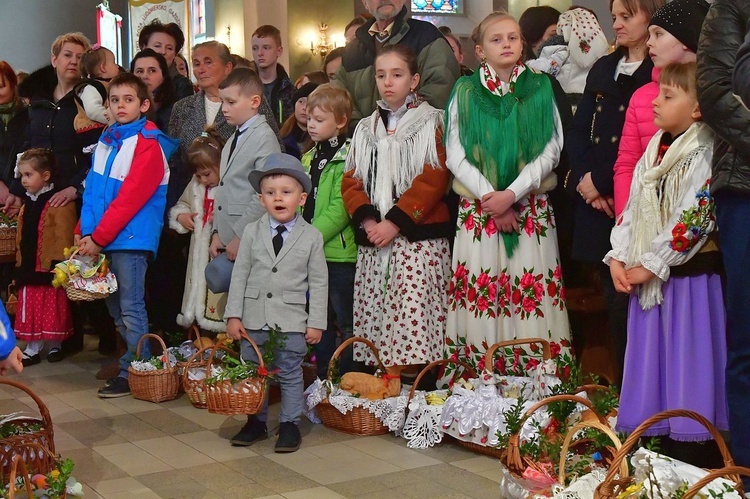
(401, 302)
(495, 298)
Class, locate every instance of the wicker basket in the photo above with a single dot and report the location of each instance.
(75, 294)
(731, 472)
(196, 388)
(195, 333)
(242, 397)
(434, 364)
(154, 386)
(7, 241)
(11, 304)
(21, 445)
(511, 457)
(488, 356)
(568, 445)
(358, 421)
(613, 486)
(18, 465)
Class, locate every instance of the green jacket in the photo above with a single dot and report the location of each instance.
(437, 65)
(330, 216)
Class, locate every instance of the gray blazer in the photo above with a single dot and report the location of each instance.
(269, 289)
(236, 203)
(186, 123)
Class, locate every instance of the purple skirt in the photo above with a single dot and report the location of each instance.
(675, 359)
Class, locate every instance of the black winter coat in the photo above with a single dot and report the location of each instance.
(51, 126)
(723, 32)
(12, 140)
(592, 144)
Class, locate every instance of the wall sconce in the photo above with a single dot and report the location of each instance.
(324, 45)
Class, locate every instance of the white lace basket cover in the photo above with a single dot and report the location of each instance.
(390, 411)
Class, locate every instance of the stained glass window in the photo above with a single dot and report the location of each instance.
(437, 6)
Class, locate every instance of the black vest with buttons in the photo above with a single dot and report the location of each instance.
(592, 145)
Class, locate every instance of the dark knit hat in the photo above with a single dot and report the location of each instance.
(303, 91)
(683, 19)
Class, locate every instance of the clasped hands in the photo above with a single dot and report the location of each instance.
(499, 205)
(624, 279)
(591, 196)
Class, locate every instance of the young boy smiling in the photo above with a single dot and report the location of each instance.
(123, 210)
(280, 262)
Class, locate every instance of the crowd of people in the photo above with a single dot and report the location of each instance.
(400, 196)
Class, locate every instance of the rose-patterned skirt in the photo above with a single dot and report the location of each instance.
(401, 301)
(496, 298)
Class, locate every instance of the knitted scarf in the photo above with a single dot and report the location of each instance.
(656, 192)
(388, 164)
(500, 134)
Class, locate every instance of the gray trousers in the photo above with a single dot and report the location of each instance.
(288, 361)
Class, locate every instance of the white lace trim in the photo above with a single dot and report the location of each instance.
(344, 402)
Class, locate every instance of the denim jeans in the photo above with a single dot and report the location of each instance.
(127, 306)
(341, 314)
(288, 360)
(732, 214)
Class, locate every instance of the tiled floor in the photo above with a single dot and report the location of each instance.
(127, 448)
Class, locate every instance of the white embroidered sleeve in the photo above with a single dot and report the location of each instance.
(691, 222)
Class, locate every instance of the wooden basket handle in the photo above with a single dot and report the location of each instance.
(490, 353)
(18, 463)
(199, 353)
(43, 410)
(569, 439)
(608, 485)
(732, 472)
(167, 364)
(12, 287)
(195, 331)
(432, 365)
(243, 336)
(513, 453)
(342, 347)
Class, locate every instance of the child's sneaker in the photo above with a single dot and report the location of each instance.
(289, 438)
(253, 431)
(118, 388)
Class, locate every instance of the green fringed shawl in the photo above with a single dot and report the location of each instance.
(500, 135)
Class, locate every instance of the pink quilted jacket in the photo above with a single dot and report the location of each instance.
(638, 129)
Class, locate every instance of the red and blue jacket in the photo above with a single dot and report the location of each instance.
(126, 188)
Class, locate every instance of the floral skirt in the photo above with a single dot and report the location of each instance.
(401, 302)
(496, 298)
(43, 313)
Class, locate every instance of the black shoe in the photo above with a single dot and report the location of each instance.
(118, 388)
(55, 355)
(289, 438)
(110, 381)
(253, 431)
(30, 361)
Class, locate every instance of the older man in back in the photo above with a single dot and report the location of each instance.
(438, 67)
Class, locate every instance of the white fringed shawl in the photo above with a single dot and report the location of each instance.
(656, 192)
(388, 164)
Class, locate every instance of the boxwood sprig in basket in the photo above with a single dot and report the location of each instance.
(236, 369)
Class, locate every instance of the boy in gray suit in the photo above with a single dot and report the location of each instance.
(236, 204)
(279, 264)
